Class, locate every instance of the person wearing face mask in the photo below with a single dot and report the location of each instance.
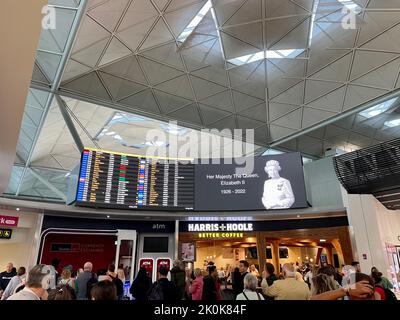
(37, 284)
(278, 192)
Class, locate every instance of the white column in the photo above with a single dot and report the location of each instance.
(176, 252)
(370, 221)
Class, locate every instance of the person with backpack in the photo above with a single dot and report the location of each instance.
(380, 279)
(250, 282)
(163, 289)
(178, 277)
(382, 285)
(66, 278)
(84, 282)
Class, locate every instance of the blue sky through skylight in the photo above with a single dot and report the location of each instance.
(194, 22)
(392, 123)
(377, 109)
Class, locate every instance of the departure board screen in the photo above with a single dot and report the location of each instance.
(117, 180)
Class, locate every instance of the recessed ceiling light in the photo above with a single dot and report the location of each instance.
(298, 216)
(108, 216)
(17, 209)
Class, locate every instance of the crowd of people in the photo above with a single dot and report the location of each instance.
(244, 282)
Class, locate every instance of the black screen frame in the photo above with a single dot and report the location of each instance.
(165, 241)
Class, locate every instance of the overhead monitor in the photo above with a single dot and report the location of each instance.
(117, 180)
(271, 183)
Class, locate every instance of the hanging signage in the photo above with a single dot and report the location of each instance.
(9, 221)
(148, 264)
(220, 227)
(5, 233)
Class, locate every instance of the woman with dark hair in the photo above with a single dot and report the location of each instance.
(380, 279)
(104, 290)
(377, 294)
(270, 275)
(140, 285)
(236, 279)
(63, 292)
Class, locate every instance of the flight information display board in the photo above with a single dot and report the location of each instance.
(117, 180)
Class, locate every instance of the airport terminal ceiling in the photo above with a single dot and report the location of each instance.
(286, 69)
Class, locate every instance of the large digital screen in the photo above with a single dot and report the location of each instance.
(272, 182)
(117, 180)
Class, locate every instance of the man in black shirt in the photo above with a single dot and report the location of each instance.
(6, 276)
(169, 291)
(243, 267)
(210, 291)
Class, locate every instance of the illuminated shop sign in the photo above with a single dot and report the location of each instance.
(8, 221)
(222, 235)
(223, 227)
(5, 233)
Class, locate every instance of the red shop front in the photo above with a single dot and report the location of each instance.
(76, 249)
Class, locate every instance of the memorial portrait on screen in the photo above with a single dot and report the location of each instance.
(278, 193)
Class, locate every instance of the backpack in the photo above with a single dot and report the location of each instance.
(156, 292)
(389, 295)
(178, 277)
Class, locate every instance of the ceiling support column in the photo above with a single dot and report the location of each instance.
(70, 124)
(17, 55)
